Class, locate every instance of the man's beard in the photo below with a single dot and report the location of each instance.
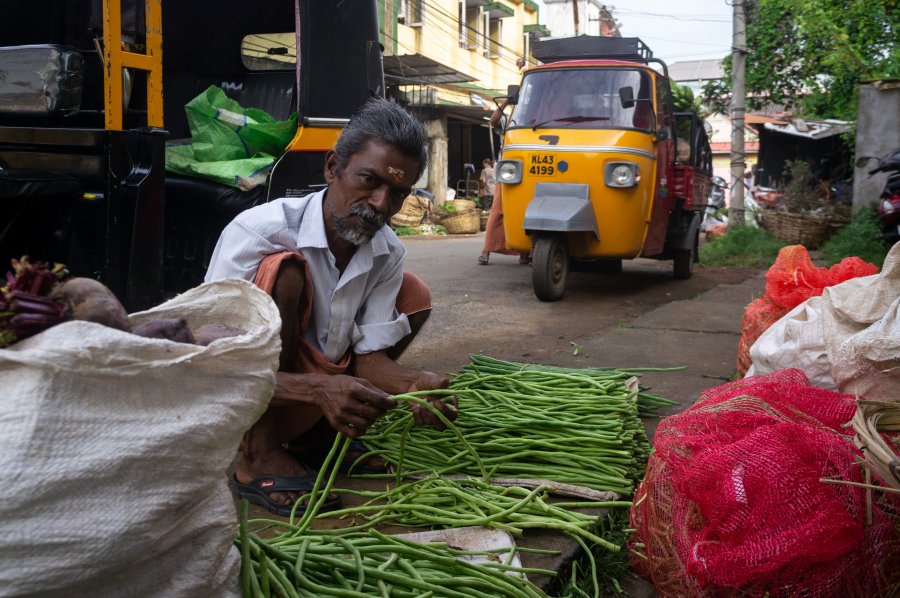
(353, 233)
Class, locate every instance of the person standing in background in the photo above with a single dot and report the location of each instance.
(486, 184)
(494, 238)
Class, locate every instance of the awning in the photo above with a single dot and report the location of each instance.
(541, 30)
(495, 10)
(473, 115)
(415, 68)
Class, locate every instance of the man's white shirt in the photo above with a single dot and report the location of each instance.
(354, 309)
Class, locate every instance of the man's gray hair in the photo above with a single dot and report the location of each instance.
(387, 122)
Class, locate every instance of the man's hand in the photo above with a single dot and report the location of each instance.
(351, 405)
(422, 416)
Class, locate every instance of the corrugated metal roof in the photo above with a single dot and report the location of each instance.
(810, 128)
(696, 70)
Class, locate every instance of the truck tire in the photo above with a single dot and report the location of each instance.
(550, 267)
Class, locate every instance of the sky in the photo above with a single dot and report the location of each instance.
(677, 30)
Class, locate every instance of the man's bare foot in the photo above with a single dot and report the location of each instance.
(483, 259)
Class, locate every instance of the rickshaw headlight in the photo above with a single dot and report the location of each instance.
(509, 171)
(622, 174)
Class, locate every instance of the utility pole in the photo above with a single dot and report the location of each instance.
(738, 59)
(575, 13)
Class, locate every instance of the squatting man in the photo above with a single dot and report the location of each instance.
(348, 310)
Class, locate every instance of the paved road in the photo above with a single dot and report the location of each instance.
(492, 309)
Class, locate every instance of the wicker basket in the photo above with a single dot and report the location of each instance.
(458, 207)
(797, 229)
(461, 205)
(413, 213)
(463, 223)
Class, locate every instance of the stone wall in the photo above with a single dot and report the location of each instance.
(877, 133)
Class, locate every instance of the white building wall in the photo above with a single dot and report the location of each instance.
(559, 17)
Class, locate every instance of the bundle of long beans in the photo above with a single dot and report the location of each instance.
(374, 564)
(441, 502)
(445, 503)
(647, 402)
(298, 561)
(567, 426)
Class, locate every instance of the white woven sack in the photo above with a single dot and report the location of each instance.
(797, 340)
(861, 318)
(113, 450)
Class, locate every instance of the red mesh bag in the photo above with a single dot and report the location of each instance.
(790, 281)
(732, 503)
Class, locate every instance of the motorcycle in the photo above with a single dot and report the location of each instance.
(715, 204)
(889, 203)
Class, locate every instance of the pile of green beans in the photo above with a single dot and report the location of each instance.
(647, 402)
(445, 503)
(441, 502)
(374, 564)
(299, 562)
(565, 426)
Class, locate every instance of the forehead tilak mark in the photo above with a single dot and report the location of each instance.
(398, 173)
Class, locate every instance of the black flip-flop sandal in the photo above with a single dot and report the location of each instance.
(257, 492)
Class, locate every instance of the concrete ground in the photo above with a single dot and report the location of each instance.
(639, 318)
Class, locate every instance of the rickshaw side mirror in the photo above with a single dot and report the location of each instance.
(626, 96)
(662, 134)
(512, 95)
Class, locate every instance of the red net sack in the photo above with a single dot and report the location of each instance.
(732, 502)
(790, 281)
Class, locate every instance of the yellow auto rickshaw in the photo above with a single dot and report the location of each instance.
(596, 165)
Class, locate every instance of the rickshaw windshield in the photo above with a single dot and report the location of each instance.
(584, 98)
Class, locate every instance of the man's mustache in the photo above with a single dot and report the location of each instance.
(368, 214)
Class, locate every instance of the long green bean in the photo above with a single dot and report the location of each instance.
(578, 427)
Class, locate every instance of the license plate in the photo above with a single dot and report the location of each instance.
(543, 165)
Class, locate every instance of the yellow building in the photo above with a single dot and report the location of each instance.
(446, 60)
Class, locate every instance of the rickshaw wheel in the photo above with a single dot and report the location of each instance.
(550, 267)
(684, 259)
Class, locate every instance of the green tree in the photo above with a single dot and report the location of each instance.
(812, 54)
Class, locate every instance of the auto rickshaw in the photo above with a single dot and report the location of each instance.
(84, 124)
(597, 166)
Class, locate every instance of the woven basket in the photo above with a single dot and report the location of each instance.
(461, 205)
(464, 223)
(797, 229)
(458, 207)
(413, 213)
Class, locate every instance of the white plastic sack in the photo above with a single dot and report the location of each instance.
(797, 340)
(113, 450)
(861, 319)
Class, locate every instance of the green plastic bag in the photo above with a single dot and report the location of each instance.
(230, 144)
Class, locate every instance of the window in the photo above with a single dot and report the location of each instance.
(584, 98)
(492, 41)
(410, 13)
(663, 106)
(470, 26)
